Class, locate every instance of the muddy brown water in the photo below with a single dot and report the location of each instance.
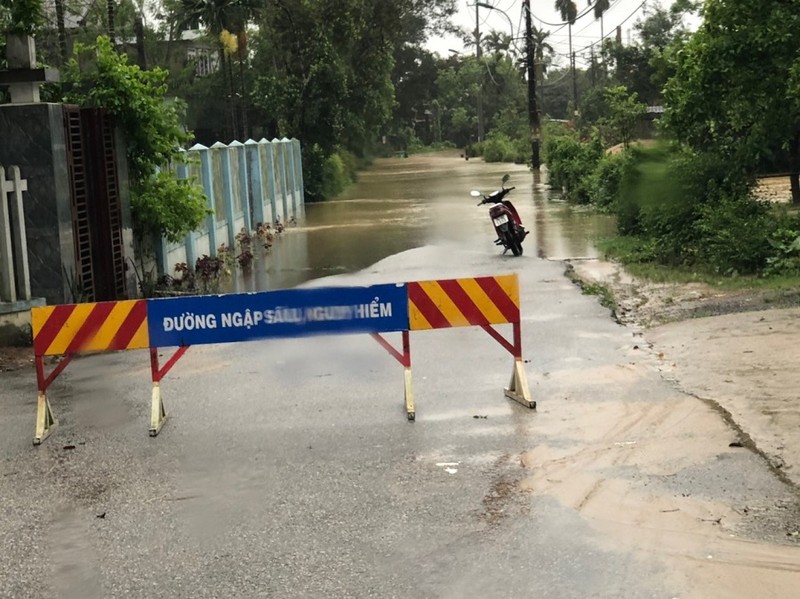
(403, 203)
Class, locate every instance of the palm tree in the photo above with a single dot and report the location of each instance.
(219, 16)
(541, 48)
(498, 42)
(569, 13)
(600, 7)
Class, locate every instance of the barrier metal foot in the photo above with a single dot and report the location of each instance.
(409, 395)
(45, 422)
(158, 415)
(518, 387)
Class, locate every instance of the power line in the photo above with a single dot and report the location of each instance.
(563, 23)
(613, 30)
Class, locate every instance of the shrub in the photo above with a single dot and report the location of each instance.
(605, 180)
(498, 148)
(784, 241)
(734, 235)
(334, 176)
(570, 162)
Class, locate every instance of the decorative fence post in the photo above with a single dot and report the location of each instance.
(269, 166)
(288, 152)
(243, 193)
(227, 190)
(280, 173)
(15, 280)
(207, 178)
(182, 172)
(256, 180)
(298, 169)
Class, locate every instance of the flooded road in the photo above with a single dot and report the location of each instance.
(288, 468)
(403, 203)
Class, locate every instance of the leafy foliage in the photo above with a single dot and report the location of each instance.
(24, 16)
(136, 98)
(718, 102)
(624, 113)
(570, 161)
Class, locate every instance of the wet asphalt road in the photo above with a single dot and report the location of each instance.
(287, 467)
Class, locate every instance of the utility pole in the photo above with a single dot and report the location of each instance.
(478, 54)
(533, 110)
(574, 85)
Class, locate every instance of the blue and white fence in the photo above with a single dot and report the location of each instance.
(246, 184)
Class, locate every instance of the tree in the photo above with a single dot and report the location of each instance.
(226, 21)
(497, 42)
(544, 52)
(718, 102)
(325, 71)
(161, 205)
(624, 112)
(600, 7)
(24, 16)
(569, 13)
(644, 66)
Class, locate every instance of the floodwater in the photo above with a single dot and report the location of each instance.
(403, 203)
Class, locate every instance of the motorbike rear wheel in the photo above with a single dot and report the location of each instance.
(512, 243)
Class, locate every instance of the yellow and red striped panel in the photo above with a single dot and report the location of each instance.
(80, 328)
(463, 302)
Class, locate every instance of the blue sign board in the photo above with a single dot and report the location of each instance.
(288, 313)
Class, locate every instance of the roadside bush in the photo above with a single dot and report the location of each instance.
(570, 163)
(474, 149)
(605, 180)
(734, 235)
(784, 241)
(498, 147)
(335, 178)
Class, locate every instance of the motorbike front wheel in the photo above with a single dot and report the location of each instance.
(512, 243)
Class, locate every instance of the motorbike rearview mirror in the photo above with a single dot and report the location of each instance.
(506, 177)
(475, 193)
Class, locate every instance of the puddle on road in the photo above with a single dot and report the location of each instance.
(402, 203)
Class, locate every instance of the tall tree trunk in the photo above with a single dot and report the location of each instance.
(243, 87)
(62, 33)
(141, 59)
(794, 167)
(110, 9)
(232, 91)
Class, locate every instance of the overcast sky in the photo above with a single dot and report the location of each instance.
(585, 31)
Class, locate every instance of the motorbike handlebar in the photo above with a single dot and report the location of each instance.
(496, 197)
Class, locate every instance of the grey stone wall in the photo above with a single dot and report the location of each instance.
(32, 137)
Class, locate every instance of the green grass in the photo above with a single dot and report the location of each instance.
(629, 252)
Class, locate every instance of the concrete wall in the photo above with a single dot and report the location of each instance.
(246, 184)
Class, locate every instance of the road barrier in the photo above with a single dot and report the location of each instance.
(69, 330)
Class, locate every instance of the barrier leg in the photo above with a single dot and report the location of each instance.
(405, 360)
(518, 387)
(158, 415)
(409, 395)
(45, 423)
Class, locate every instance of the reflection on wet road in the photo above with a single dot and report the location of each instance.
(402, 203)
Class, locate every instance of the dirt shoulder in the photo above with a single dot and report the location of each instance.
(14, 358)
(735, 350)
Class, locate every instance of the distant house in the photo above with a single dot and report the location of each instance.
(193, 47)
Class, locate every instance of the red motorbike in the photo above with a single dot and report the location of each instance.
(505, 218)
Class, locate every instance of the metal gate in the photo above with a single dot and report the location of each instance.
(96, 206)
